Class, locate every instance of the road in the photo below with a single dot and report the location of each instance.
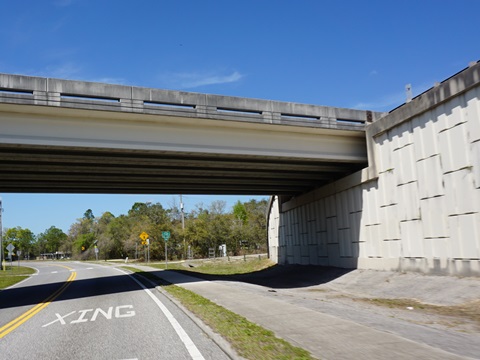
(86, 311)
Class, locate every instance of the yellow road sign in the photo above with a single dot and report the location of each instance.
(144, 236)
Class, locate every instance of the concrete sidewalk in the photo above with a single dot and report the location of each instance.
(323, 335)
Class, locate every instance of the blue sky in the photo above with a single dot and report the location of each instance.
(350, 53)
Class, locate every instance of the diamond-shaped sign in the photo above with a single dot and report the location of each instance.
(10, 247)
(144, 236)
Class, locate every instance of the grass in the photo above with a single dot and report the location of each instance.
(220, 267)
(468, 311)
(13, 275)
(248, 339)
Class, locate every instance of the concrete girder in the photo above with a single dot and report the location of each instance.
(69, 136)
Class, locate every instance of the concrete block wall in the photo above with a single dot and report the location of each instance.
(416, 208)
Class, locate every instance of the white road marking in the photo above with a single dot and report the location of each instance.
(122, 311)
(191, 347)
(54, 272)
(59, 318)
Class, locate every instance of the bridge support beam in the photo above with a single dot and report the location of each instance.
(81, 137)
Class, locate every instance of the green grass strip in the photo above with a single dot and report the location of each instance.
(220, 267)
(250, 340)
(13, 275)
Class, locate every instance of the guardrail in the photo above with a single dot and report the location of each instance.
(27, 90)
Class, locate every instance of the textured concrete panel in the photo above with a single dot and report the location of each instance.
(389, 222)
(356, 227)
(441, 116)
(452, 148)
(313, 256)
(342, 210)
(302, 219)
(473, 114)
(412, 238)
(405, 169)
(460, 195)
(451, 114)
(296, 234)
(371, 199)
(425, 136)
(330, 206)
(388, 188)
(383, 152)
(304, 243)
(465, 239)
(297, 255)
(402, 136)
(333, 253)
(332, 230)
(430, 177)
(408, 202)
(437, 248)
(321, 215)
(434, 217)
(323, 241)
(393, 248)
(312, 230)
(311, 211)
(373, 244)
(476, 163)
(458, 111)
(355, 203)
(345, 243)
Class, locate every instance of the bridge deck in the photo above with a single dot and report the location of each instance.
(64, 136)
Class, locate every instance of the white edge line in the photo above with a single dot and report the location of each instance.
(191, 347)
(28, 278)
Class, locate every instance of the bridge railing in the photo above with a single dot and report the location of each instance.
(27, 90)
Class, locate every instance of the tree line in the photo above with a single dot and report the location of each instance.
(243, 229)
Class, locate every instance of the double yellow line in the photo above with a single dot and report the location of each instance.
(12, 325)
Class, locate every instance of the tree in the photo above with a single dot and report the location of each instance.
(208, 228)
(89, 215)
(119, 236)
(51, 240)
(240, 212)
(22, 239)
(104, 241)
(257, 223)
(82, 236)
(119, 230)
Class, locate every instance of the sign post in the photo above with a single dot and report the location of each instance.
(144, 237)
(148, 250)
(19, 252)
(10, 249)
(166, 236)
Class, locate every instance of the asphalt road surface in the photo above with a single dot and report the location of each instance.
(72, 310)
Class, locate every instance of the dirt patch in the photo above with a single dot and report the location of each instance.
(457, 313)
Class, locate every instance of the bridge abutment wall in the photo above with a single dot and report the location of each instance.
(415, 208)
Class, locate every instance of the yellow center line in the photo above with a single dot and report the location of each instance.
(12, 325)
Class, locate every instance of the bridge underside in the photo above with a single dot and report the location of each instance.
(61, 136)
(49, 169)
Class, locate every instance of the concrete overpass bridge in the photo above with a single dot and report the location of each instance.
(354, 189)
(61, 136)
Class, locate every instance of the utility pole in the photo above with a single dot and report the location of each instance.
(2, 262)
(183, 228)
